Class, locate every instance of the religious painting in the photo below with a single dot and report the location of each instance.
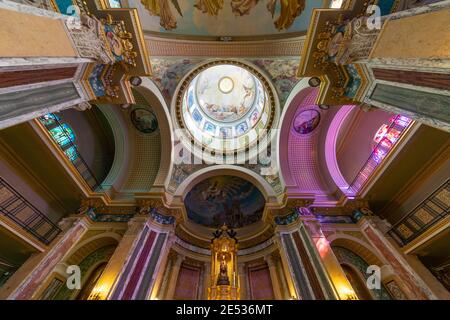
(225, 92)
(225, 200)
(225, 18)
(197, 116)
(254, 117)
(144, 120)
(225, 132)
(241, 128)
(209, 127)
(306, 121)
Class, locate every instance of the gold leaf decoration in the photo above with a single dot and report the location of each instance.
(290, 9)
(210, 7)
(161, 9)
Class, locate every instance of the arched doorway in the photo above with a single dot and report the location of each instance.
(357, 283)
(87, 288)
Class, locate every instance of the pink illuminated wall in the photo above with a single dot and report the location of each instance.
(299, 156)
(355, 140)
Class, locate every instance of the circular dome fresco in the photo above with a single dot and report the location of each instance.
(225, 106)
(224, 199)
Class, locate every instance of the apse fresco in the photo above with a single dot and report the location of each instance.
(224, 199)
(226, 18)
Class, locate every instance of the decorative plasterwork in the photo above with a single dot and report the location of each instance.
(164, 47)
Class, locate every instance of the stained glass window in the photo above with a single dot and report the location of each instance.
(71, 153)
(115, 4)
(62, 133)
(384, 140)
(49, 119)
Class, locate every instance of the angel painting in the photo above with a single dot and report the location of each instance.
(224, 199)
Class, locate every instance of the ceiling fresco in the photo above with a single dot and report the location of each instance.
(224, 199)
(225, 17)
(167, 73)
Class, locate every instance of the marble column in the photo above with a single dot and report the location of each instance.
(140, 272)
(73, 231)
(286, 266)
(40, 64)
(342, 287)
(272, 264)
(243, 282)
(375, 232)
(299, 253)
(410, 71)
(111, 273)
(174, 276)
(206, 279)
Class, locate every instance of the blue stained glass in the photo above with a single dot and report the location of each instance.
(71, 153)
(49, 119)
(63, 135)
(115, 4)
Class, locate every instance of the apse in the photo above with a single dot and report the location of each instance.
(220, 200)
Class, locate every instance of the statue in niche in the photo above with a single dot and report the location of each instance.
(223, 273)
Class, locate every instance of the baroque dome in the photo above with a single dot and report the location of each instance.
(225, 107)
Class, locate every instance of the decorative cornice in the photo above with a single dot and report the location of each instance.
(164, 47)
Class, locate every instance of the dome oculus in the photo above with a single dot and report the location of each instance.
(225, 106)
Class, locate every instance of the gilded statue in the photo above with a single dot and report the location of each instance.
(223, 279)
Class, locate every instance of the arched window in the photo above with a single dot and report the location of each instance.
(387, 135)
(62, 134)
(115, 4)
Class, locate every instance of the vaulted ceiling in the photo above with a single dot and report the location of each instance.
(233, 18)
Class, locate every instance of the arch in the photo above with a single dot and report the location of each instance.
(300, 91)
(299, 154)
(357, 246)
(357, 281)
(123, 148)
(90, 280)
(330, 148)
(87, 255)
(360, 267)
(89, 245)
(147, 88)
(217, 170)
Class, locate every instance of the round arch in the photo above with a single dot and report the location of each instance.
(217, 170)
(298, 93)
(331, 145)
(358, 247)
(147, 89)
(123, 148)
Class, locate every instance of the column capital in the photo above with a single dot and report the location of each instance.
(271, 260)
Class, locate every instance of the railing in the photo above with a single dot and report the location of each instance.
(426, 214)
(71, 151)
(6, 271)
(394, 132)
(22, 212)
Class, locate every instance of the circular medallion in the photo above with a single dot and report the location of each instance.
(144, 120)
(306, 121)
